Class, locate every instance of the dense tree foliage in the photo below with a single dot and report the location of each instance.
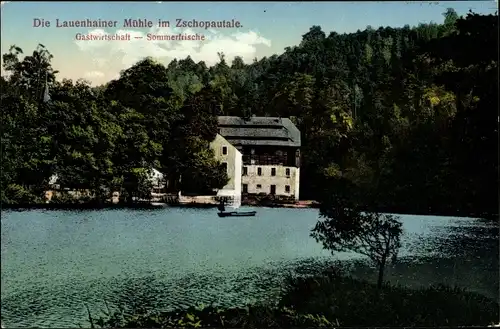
(404, 118)
(103, 139)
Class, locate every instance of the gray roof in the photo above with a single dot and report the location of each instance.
(270, 131)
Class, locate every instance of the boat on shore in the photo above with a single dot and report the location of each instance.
(236, 213)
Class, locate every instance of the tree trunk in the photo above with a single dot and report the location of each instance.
(381, 269)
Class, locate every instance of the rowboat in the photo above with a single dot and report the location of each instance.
(236, 213)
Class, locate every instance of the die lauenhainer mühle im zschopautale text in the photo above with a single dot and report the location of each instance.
(137, 23)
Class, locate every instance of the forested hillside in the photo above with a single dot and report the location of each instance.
(404, 118)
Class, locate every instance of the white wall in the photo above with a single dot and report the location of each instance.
(297, 183)
(281, 180)
(234, 160)
(238, 163)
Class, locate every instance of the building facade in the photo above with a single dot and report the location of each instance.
(271, 153)
(232, 159)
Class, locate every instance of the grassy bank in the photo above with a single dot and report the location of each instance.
(329, 300)
(352, 302)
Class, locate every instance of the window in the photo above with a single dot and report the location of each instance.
(287, 172)
(287, 188)
(273, 189)
(245, 188)
(259, 186)
(273, 171)
(224, 165)
(224, 150)
(245, 171)
(259, 171)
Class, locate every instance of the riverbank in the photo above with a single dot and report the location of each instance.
(190, 202)
(330, 300)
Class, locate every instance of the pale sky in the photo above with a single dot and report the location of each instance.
(267, 28)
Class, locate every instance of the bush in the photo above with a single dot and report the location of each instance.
(350, 302)
(63, 197)
(16, 194)
(249, 317)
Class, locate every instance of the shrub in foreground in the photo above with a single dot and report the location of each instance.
(248, 317)
(351, 302)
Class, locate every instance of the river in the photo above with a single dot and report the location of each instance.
(55, 262)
